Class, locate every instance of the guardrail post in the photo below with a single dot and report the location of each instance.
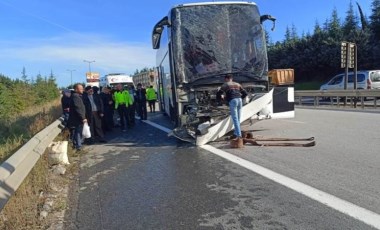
(300, 100)
(331, 101)
(315, 101)
(375, 102)
(337, 101)
(362, 101)
(352, 102)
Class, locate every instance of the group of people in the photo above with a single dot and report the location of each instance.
(87, 106)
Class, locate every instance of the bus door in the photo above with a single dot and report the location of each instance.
(160, 89)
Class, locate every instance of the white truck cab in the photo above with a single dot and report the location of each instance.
(113, 79)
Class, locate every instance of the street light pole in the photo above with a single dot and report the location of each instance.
(71, 76)
(89, 64)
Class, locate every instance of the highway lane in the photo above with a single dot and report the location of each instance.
(345, 162)
(143, 179)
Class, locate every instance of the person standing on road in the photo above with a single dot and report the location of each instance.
(89, 115)
(108, 105)
(94, 102)
(152, 98)
(132, 107)
(77, 116)
(122, 102)
(234, 95)
(141, 102)
(65, 102)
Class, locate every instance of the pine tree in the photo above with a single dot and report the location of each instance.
(334, 26)
(375, 29)
(294, 35)
(350, 25)
(288, 35)
(375, 19)
(317, 28)
(24, 77)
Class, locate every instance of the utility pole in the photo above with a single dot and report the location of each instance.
(89, 65)
(71, 75)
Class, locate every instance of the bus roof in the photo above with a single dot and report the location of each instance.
(211, 3)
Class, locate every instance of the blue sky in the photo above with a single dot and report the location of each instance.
(58, 35)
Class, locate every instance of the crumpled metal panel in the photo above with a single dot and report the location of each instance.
(212, 40)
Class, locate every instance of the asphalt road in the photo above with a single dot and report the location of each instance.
(143, 179)
(345, 162)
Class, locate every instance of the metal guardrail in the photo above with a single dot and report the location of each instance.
(14, 170)
(355, 96)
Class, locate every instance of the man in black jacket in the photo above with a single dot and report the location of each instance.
(140, 99)
(77, 116)
(94, 107)
(65, 102)
(108, 106)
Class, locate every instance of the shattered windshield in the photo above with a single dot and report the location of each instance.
(212, 40)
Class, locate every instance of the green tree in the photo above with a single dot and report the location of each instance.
(24, 77)
(350, 26)
(375, 30)
(316, 56)
(288, 35)
(375, 19)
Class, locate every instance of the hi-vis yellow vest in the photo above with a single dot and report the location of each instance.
(151, 94)
(122, 98)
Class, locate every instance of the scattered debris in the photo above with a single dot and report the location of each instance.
(58, 169)
(271, 141)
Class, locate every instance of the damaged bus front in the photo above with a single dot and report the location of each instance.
(198, 44)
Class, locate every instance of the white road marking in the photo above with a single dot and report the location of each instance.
(297, 122)
(162, 128)
(348, 208)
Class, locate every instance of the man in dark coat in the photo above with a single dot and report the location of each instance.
(140, 99)
(77, 116)
(108, 105)
(65, 102)
(94, 107)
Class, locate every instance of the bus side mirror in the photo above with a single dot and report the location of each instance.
(157, 31)
(263, 18)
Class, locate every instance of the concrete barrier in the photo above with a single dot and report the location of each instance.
(14, 170)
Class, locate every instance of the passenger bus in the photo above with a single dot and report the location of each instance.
(197, 45)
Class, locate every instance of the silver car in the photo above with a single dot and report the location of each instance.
(366, 79)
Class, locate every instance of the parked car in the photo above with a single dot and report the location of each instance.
(366, 79)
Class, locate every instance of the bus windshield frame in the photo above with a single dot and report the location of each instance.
(212, 40)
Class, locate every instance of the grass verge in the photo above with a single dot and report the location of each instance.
(17, 131)
(24, 208)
